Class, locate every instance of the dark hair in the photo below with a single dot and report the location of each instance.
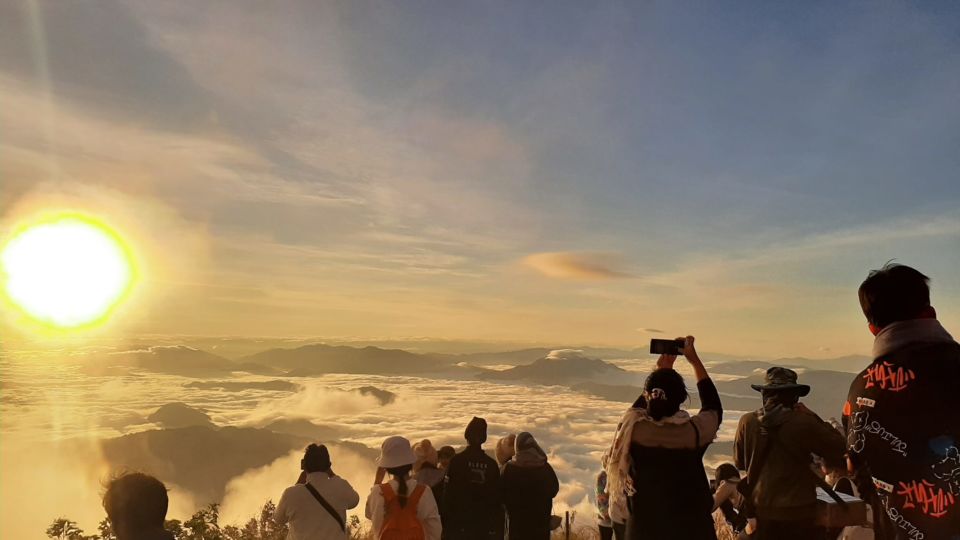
(894, 293)
(726, 471)
(674, 393)
(135, 503)
(316, 458)
(446, 452)
(401, 473)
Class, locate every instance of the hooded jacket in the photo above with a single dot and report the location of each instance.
(903, 426)
(528, 485)
(786, 487)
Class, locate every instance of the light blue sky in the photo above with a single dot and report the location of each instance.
(394, 169)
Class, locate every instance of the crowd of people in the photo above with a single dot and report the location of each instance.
(896, 450)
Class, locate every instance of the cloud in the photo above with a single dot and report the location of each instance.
(575, 265)
(566, 354)
(650, 330)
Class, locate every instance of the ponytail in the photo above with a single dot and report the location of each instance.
(401, 473)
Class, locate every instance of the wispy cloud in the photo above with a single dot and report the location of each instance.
(575, 265)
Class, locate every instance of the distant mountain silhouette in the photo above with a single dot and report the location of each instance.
(179, 415)
(526, 356)
(301, 427)
(851, 364)
(320, 359)
(173, 360)
(200, 459)
(560, 367)
(239, 386)
(385, 397)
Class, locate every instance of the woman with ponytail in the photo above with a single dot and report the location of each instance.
(655, 474)
(402, 508)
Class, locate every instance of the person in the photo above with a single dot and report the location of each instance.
(472, 509)
(316, 508)
(136, 504)
(445, 454)
(425, 468)
(604, 523)
(727, 498)
(903, 431)
(528, 485)
(402, 507)
(504, 451)
(656, 458)
(774, 445)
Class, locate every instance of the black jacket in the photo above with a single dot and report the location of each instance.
(903, 420)
(528, 494)
(673, 500)
(471, 497)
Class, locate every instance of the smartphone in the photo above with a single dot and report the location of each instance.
(667, 346)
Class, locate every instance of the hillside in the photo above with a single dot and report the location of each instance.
(200, 459)
(319, 359)
(560, 367)
(172, 360)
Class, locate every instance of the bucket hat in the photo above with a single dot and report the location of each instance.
(781, 378)
(395, 452)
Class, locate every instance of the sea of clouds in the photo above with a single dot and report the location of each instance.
(52, 417)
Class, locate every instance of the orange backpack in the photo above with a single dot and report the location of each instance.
(401, 522)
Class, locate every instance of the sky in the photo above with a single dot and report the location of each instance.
(578, 173)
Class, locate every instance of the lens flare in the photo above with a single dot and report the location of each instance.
(66, 271)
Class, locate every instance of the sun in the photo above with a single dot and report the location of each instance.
(66, 271)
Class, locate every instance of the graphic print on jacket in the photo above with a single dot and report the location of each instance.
(901, 419)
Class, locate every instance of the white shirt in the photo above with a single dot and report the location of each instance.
(306, 518)
(427, 512)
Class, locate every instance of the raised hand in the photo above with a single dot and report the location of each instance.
(666, 361)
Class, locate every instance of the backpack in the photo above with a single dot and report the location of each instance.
(401, 522)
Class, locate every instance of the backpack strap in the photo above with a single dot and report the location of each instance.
(389, 495)
(414, 498)
(696, 434)
(323, 502)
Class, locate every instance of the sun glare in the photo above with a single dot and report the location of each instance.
(67, 271)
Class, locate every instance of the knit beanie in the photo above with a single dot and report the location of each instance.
(476, 432)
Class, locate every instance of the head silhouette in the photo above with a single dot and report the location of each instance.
(316, 458)
(664, 392)
(476, 432)
(136, 504)
(726, 471)
(895, 293)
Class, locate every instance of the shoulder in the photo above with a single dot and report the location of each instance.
(341, 483)
(292, 490)
(748, 419)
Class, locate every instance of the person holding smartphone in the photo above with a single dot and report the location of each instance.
(656, 459)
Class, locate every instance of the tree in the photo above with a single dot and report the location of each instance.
(106, 530)
(204, 525)
(65, 529)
